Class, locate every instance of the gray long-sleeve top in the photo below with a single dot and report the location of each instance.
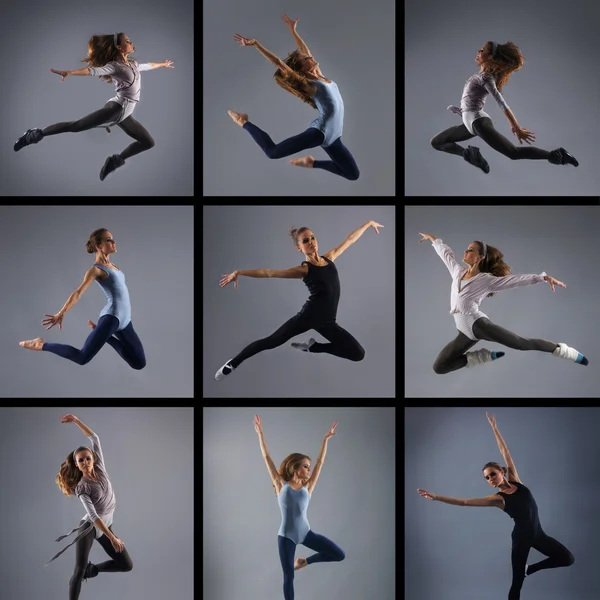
(127, 78)
(97, 497)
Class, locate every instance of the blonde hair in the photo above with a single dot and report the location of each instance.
(296, 83)
(94, 240)
(69, 475)
(289, 465)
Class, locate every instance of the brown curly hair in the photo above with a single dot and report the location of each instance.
(294, 84)
(295, 233)
(95, 239)
(508, 59)
(102, 50)
(290, 464)
(493, 263)
(69, 475)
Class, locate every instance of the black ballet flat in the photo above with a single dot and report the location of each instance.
(473, 156)
(112, 162)
(31, 136)
(561, 157)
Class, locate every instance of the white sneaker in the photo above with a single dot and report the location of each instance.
(564, 351)
(219, 374)
(304, 346)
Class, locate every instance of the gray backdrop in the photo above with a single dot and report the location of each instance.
(464, 552)
(256, 237)
(558, 240)
(154, 491)
(353, 503)
(47, 262)
(53, 35)
(355, 47)
(554, 95)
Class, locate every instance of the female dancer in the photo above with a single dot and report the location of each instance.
(107, 58)
(517, 501)
(115, 317)
(498, 62)
(300, 75)
(84, 474)
(294, 487)
(490, 274)
(321, 278)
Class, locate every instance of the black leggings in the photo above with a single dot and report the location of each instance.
(484, 128)
(342, 162)
(107, 114)
(342, 343)
(120, 561)
(558, 556)
(452, 356)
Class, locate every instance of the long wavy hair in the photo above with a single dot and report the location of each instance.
(102, 50)
(493, 262)
(508, 59)
(294, 84)
(290, 464)
(69, 475)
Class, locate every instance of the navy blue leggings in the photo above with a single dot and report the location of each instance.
(327, 551)
(125, 342)
(342, 162)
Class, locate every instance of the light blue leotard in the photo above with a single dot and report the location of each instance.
(331, 111)
(293, 505)
(117, 296)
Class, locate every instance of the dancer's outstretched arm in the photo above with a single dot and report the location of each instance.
(512, 470)
(276, 478)
(493, 500)
(353, 237)
(320, 460)
(299, 41)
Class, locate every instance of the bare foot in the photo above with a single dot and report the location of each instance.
(305, 161)
(239, 118)
(300, 563)
(32, 344)
(92, 325)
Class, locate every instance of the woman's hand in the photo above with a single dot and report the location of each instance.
(291, 24)
(553, 282)
(257, 424)
(244, 41)
(68, 419)
(375, 226)
(117, 544)
(331, 431)
(53, 320)
(228, 279)
(427, 494)
(426, 236)
(523, 134)
(64, 74)
(168, 64)
(491, 419)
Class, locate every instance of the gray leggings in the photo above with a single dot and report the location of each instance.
(452, 356)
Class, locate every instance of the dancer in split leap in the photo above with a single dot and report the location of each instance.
(498, 62)
(485, 274)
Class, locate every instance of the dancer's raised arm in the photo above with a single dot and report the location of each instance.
(73, 419)
(276, 478)
(320, 460)
(299, 41)
(512, 471)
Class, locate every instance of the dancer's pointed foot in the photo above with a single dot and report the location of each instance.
(561, 157)
(31, 136)
(239, 118)
(473, 155)
(32, 344)
(300, 563)
(110, 164)
(564, 351)
(92, 325)
(305, 161)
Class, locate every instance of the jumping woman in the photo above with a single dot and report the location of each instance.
(300, 75)
(294, 487)
(320, 275)
(107, 58)
(83, 474)
(517, 501)
(114, 326)
(498, 62)
(485, 274)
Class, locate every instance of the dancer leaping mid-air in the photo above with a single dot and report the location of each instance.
(485, 274)
(517, 501)
(498, 62)
(107, 58)
(300, 75)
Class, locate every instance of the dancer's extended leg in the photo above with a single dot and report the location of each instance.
(519, 553)
(484, 329)
(99, 117)
(311, 138)
(120, 561)
(559, 555)
(129, 347)
(107, 325)
(144, 141)
(452, 356)
(343, 344)
(327, 551)
(342, 162)
(82, 552)
(287, 549)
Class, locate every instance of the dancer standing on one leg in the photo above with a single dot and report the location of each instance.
(320, 275)
(84, 474)
(517, 501)
(107, 58)
(498, 62)
(114, 326)
(294, 486)
(489, 274)
(300, 75)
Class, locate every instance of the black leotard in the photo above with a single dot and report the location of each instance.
(521, 506)
(323, 283)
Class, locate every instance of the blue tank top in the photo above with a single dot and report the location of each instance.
(331, 111)
(293, 505)
(117, 296)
